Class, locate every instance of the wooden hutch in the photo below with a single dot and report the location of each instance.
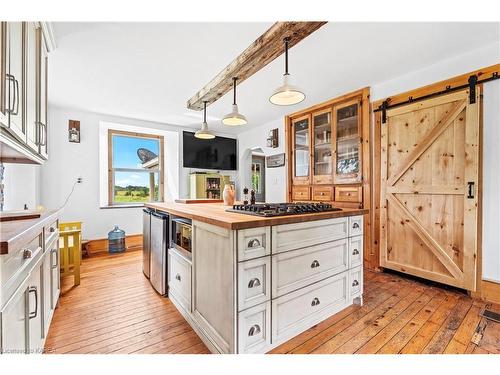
(328, 153)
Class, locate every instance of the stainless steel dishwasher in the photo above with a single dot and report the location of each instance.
(159, 250)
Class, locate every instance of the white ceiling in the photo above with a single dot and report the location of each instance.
(149, 70)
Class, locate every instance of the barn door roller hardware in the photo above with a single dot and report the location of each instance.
(473, 81)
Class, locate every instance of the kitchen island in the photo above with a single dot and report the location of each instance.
(252, 283)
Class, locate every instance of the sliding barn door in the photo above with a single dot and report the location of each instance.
(429, 185)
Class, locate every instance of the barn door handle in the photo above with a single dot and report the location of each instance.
(470, 190)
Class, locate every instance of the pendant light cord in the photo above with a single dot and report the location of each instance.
(287, 39)
(204, 111)
(234, 90)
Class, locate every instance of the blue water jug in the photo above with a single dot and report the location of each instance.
(116, 240)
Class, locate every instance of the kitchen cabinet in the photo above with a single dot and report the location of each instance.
(34, 310)
(12, 78)
(326, 153)
(207, 185)
(23, 92)
(14, 323)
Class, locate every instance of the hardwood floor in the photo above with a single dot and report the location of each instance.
(115, 310)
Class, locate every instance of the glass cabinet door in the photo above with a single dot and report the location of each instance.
(347, 143)
(322, 147)
(301, 149)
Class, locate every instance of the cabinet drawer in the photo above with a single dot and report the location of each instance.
(254, 282)
(295, 236)
(254, 329)
(356, 281)
(254, 243)
(299, 310)
(355, 225)
(355, 251)
(16, 264)
(179, 279)
(295, 269)
(50, 231)
(322, 193)
(301, 193)
(348, 194)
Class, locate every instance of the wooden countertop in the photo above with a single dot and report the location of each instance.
(15, 234)
(215, 214)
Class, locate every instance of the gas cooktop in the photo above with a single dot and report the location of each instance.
(281, 209)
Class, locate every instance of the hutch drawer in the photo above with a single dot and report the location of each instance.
(322, 193)
(348, 194)
(301, 193)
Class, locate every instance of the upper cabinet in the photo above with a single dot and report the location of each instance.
(23, 92)
(347, 142)
(327, 158)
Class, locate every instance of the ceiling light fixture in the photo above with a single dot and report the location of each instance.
(204, 133)
(234, 118)
(287, 94)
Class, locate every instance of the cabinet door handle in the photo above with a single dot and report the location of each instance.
(178, 277)
(56, 254)
(254, 330)
(355, 252)
(355, 283)
(52, 229)
(254, 283)
(253, 243)
(314, 264)
(15, 102)
(315, 301)
(43, 127)
(355, 226)
(33, 289)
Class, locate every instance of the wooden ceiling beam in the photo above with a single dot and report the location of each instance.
(260, 53)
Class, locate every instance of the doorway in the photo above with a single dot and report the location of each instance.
(258, 176)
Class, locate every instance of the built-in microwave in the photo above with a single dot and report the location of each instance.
(181, 235)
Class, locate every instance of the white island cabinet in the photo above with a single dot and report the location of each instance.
(249, 290)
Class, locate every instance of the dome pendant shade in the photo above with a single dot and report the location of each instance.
(287, 94)
(204, 132)
(235, 118)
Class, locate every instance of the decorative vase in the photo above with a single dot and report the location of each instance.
(228, 195)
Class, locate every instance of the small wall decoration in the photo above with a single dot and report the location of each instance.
(272, 138)
(275, 161)
(74, 131)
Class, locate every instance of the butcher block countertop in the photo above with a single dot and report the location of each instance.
(215, 214)
(16, 233)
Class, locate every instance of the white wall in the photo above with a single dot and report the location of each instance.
(21, 186)
(67, 161)
(491, 182)
(275, 177)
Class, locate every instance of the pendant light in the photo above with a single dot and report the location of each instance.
(204, 133)
(234, 118)
(287, 94)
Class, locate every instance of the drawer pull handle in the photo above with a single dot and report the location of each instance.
(33, 289)
(254, 330)
(178, 277)
(314, 264)
(355, 252)
(254, 283)
(315, 302)
(355, 283)
(355, 226)
(27, 253)
(56, 253)
(322, 193)
(253, 243)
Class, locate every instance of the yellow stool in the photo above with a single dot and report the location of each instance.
(70, 248)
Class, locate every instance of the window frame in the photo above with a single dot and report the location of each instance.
(111, 170)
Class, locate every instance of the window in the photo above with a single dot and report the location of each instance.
(135, 168)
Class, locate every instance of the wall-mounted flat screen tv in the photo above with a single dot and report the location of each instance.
(218, 153)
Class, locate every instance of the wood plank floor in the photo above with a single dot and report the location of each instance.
(115, 310)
